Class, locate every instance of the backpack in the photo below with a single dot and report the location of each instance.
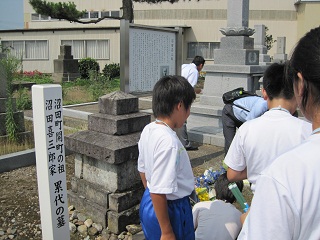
(231, 96)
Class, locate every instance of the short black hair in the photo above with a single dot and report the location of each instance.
(222, 190)
(197, 60)
(276, 82)
(168, 92)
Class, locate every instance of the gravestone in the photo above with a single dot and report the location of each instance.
(236, 64)
(18, 115)
(65, 68)
(281, 55)
(259, 44)
(107, 184)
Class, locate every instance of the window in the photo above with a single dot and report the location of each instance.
(97, 49)
(105, 14)
(115, 13)
(28, 49)
(39, 17)
(204, 49)
(94, 14)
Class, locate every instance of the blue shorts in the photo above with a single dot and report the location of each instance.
(180, 214)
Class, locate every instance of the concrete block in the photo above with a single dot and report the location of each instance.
(119, 202)
(108, 148)
(118, 103)
(111, 177)
(118, 124)
(117, 222)
(236, 42)
(90, 191)
(97, 213)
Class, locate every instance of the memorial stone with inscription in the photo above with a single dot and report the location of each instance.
(106, 182)
(281, 55)
(259, 44)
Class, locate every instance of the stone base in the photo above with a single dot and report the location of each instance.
(97, 213)
(64, 77)
(280, 57)
(264, 58)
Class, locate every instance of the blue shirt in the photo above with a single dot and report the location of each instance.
(255, 105)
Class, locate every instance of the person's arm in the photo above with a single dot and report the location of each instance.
(143, 179)
(244, 216)
(234, 175)
(161, 209)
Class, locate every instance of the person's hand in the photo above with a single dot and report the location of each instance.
(168, 236)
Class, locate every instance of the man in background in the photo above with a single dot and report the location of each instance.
(191, 73)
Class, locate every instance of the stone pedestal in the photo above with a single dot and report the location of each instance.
(65, 67)
(107, 184)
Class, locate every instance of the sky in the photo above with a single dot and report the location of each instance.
(11, 14)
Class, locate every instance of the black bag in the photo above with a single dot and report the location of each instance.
(235, 94)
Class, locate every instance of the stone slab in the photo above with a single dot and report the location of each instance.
(236, 69)
(111, 177)
(118, 124)
(119, 202)
(264, 58)
(98, 213)
(117, 222)
(118, 103)
(236, 42)
(238, 13)
(236, 57)
(109, 148)
(92, 192)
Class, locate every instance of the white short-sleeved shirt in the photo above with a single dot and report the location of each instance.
(286, 202)
(259, 141)
(190, 72)
(165, 162)
(216, 220)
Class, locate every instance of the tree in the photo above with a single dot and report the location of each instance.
(268, 39)
(68, 10)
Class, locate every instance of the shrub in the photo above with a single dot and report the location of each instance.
(111, 70)
(23, 99)
(86, 65)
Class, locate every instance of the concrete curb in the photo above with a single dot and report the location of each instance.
(17, 160)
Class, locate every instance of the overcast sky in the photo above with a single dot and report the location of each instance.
(11, 14)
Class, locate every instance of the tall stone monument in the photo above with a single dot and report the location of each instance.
(281, 55)
(259, 44)
(107, 184)
(65, 68)
(236, 64)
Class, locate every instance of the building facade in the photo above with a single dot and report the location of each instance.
(39, 42)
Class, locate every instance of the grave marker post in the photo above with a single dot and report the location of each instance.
(50, 161)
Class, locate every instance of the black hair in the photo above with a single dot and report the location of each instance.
(275, 81)
(168, 92)
(222, 190)
(197, 60)
(306, 60)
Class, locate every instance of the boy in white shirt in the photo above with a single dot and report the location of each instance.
(259, 141)
(164, 165)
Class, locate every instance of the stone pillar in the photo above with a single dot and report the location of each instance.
(259, 44)
(281, 55)
(106, 182)
(65, 67)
